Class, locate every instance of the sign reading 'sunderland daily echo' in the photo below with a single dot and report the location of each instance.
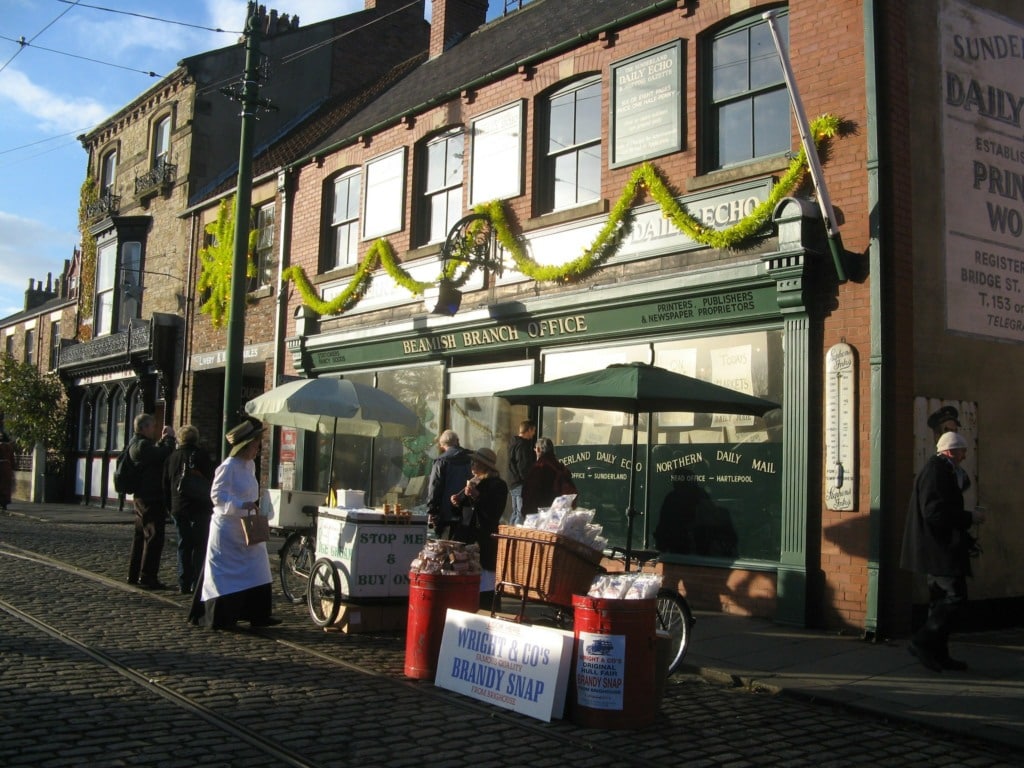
(647, 105)
(983, 142)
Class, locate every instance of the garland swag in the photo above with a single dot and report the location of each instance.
(605, 244)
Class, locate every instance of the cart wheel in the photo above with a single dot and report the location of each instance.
(675, 617)
(323, 593)
(297, 556)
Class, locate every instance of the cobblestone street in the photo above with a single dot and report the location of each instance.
(96, 672)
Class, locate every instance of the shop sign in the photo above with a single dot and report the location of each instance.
(514, 666)
(647, 105)
(609, 322)
(218, 358)
(982, 117)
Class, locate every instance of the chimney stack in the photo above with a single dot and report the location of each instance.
(36, 294)
(453, 20)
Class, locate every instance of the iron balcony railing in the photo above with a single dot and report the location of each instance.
(107, 205)
(159, 178)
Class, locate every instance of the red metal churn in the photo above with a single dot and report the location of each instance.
(615, 662)
(430, 597)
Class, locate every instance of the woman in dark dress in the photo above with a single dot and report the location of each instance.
(482, 503)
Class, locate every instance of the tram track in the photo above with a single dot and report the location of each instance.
(598, 751)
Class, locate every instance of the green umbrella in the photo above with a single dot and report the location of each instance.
(637, 388)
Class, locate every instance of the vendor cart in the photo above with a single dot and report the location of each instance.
(363, 557)
(548, 568)
(293, 515)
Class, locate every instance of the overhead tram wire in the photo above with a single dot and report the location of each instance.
(25, 44)
(22, 42)
(151, 18)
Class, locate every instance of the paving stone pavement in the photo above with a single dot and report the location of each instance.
(98, 673)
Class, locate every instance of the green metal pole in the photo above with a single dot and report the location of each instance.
(243, 201)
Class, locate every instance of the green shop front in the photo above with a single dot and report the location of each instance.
(718, 494)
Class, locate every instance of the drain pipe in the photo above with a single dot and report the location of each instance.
(285, 178)
(876, 490)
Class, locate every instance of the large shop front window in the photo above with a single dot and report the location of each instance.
(747, 115)
(385, 467)
(707, 485)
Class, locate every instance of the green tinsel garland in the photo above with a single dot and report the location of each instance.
(605, 244)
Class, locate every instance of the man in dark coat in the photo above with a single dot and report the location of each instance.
(148, 454)
(520, 458)
(936, 542)
(448, 476)
(188, 475)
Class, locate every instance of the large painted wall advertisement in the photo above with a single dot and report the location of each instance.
(983, 141)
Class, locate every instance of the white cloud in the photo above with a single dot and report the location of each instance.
(30, 249)
(53, 113)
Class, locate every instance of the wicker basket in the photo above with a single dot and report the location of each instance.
(550, 568)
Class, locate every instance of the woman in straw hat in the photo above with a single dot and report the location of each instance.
(236, 579)
(482, 503)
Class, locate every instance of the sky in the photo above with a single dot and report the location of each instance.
(84, 60)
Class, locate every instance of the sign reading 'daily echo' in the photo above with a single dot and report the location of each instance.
(516, 666)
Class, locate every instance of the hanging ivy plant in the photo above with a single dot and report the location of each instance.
(216, 263)
(87, 195)
(605, 244)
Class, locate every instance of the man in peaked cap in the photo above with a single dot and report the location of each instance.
(936, 543)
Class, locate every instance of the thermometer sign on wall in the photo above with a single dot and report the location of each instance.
(840, 428)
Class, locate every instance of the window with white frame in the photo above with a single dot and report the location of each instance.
(101, 422)
(54, 344)
(30, 346)
(441, 176)
(571, 173)
(344, 226)
(747, 113)
(384, 212)
(263, 258)
(162, 141)
(118, 286)
(497, 155)
(108, 173)
(118, 420)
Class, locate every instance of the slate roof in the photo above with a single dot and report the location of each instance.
(534, 33)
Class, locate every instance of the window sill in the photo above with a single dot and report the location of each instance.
(261, 292)
(569, 214)
(334, 274)
(424, 251)
(754, 168)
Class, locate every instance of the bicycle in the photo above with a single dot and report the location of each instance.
(297, 558)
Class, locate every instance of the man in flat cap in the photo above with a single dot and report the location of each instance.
(936, 543)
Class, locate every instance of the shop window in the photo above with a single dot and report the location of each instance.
(162, 142)
(571, 163)
(344, 225)
(30, 346)
(101, 422)
(119, 421)
(441, 180)
(136, 406)
(108, 173)
(709, 485)
(497, 155)
(746, 111)
(263, 257)
(384, 212)
(84, 424)
(384, 465)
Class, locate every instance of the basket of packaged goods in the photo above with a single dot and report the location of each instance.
(546, 565)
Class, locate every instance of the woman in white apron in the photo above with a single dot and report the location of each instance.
(236, 578)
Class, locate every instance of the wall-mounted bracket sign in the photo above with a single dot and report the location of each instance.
(840, 428)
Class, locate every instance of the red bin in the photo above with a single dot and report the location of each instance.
(430, 597)
(614, 672)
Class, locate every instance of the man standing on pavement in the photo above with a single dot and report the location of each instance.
(448, 475)
(521, 456)
(937, 542)
(150, 512)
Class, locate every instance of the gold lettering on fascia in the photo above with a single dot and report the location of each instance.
(705, 306)
(502, 334)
